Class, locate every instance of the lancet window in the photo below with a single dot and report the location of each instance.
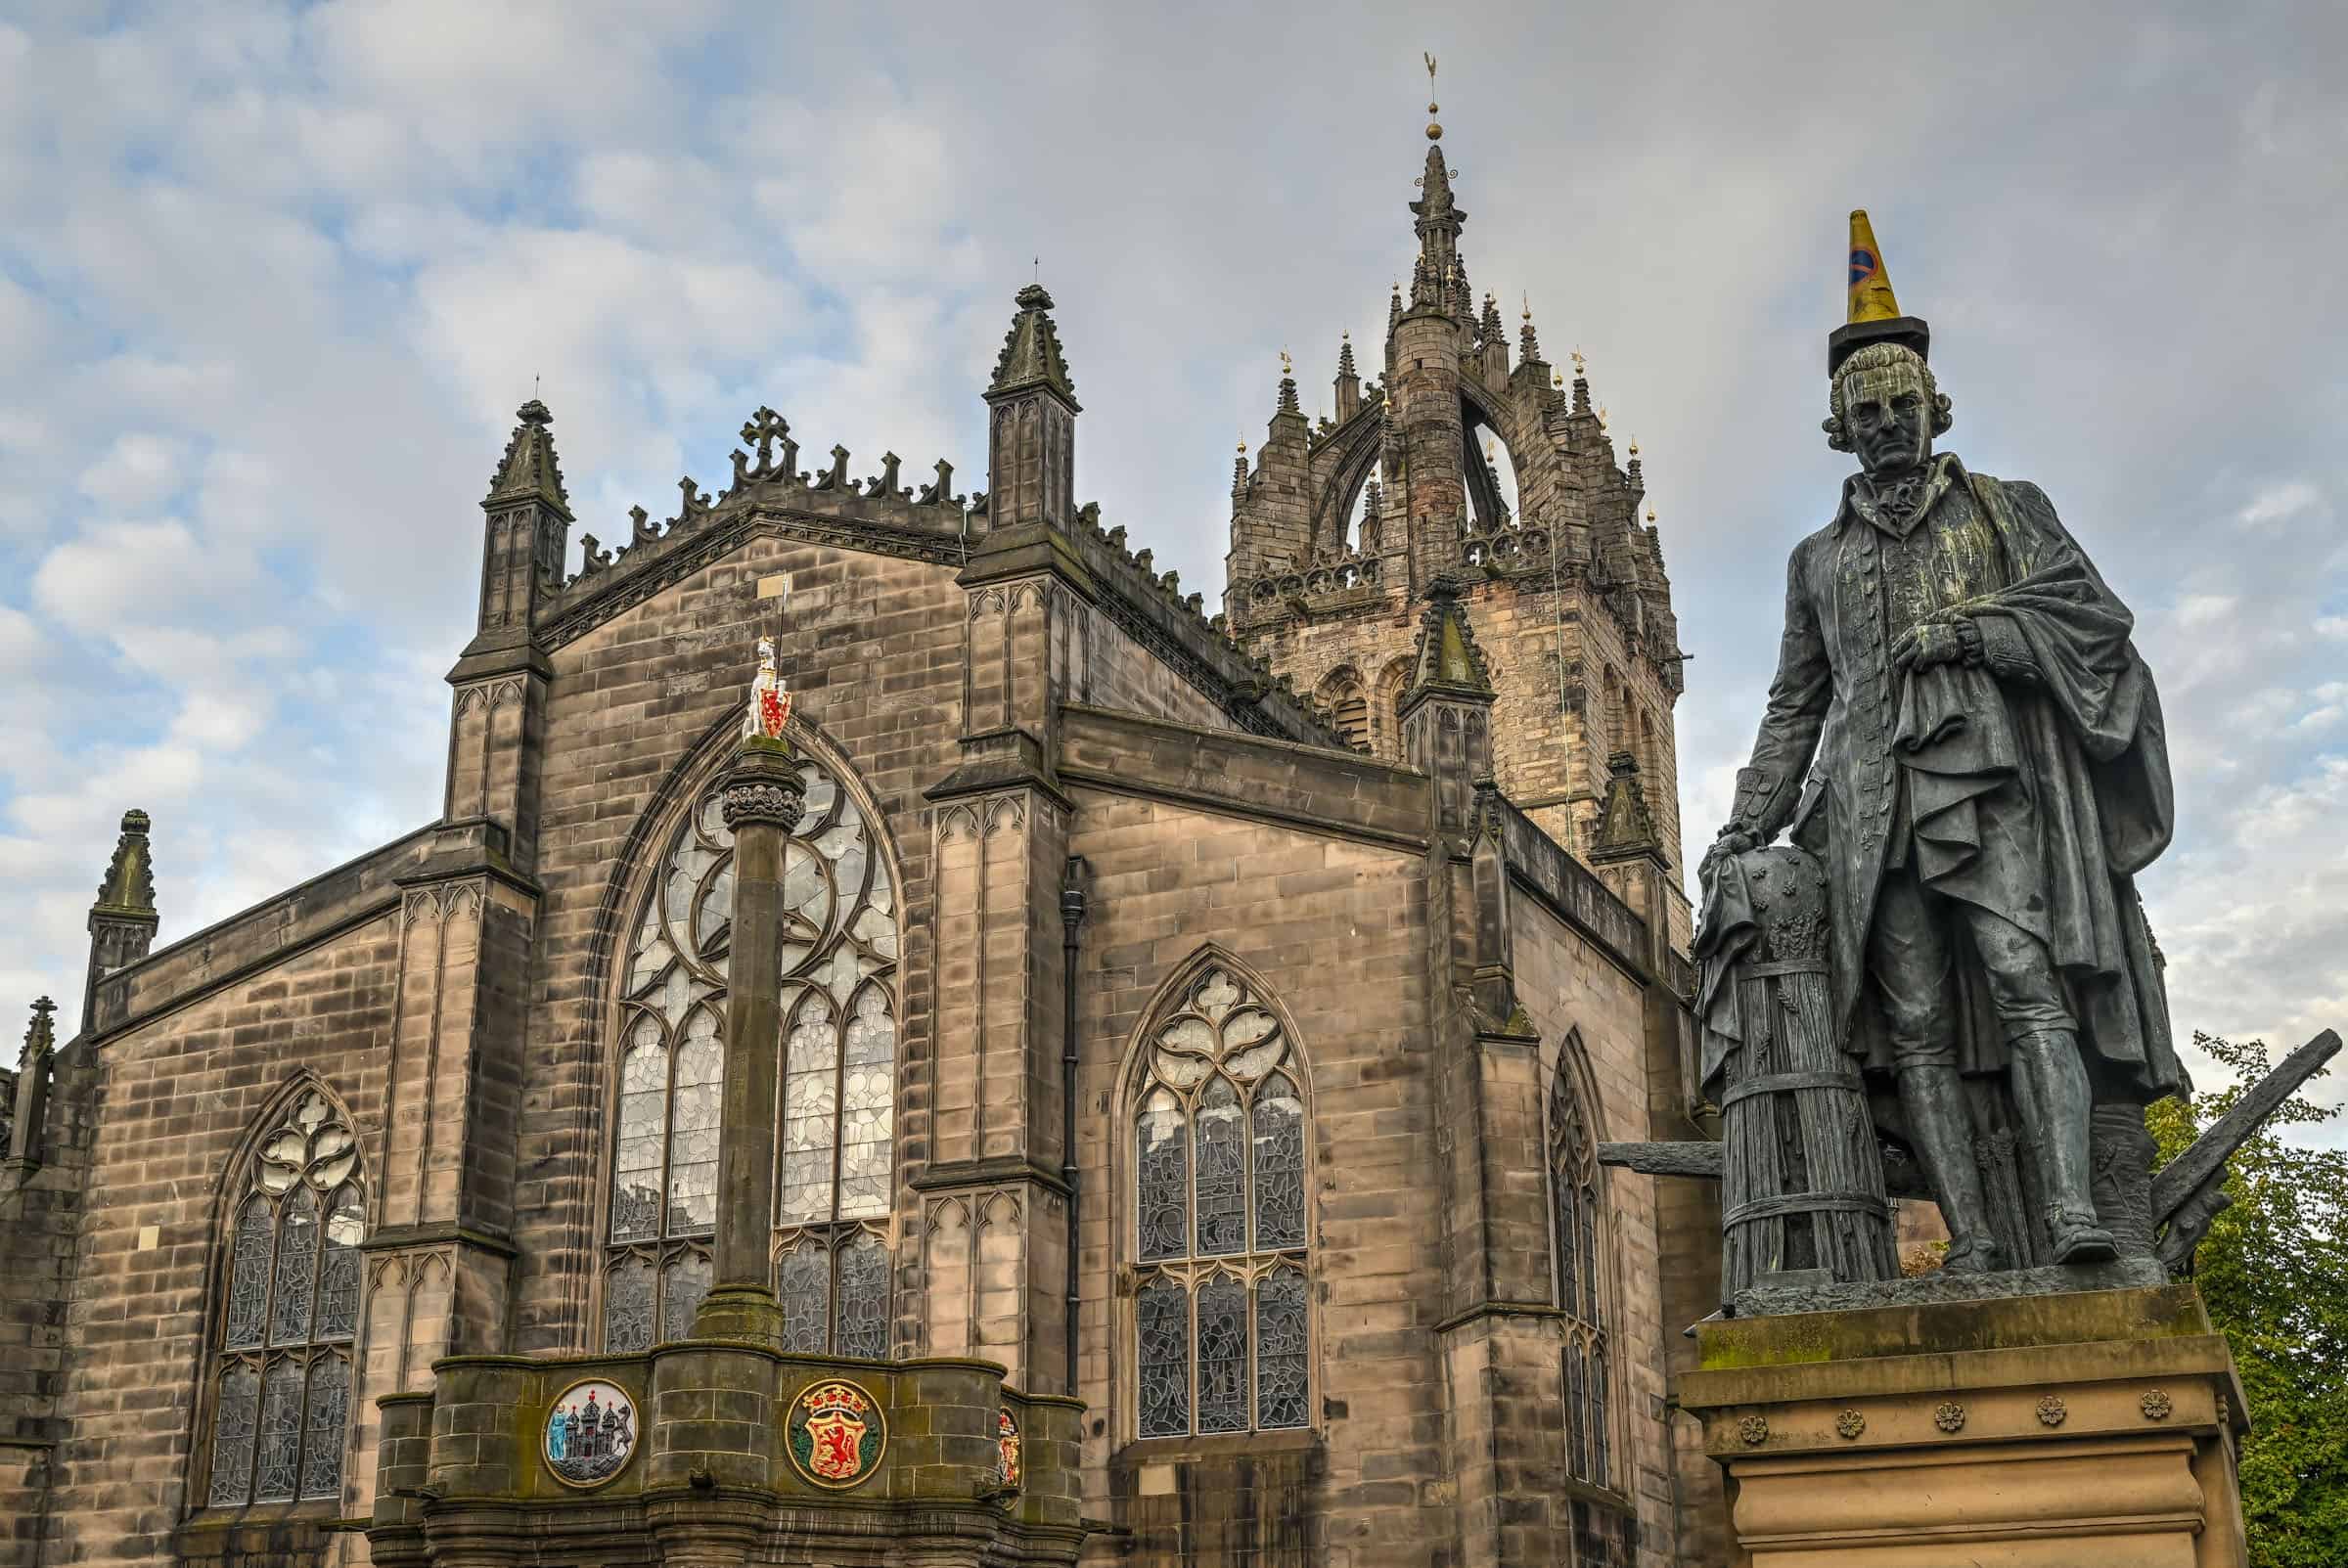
(281, 1378)
(835, 1139)
(1581, 1292)
(1348, 705)
(1221, 1337)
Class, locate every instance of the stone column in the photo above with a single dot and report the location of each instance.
(762, 801)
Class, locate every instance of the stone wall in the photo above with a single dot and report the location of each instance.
(1331, 929)
(177, 1098)
(1581, 1000)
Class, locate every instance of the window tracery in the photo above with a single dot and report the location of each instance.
(1573, 1195)
(281, 1390)
(835, 1136)
(1220, 1335)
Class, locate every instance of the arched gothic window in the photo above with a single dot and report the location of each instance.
(1219, 1219)
(281, 1391)
(835, 1142)
(1581, 1293)
(1348, 705)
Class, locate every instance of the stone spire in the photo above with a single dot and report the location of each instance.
(1288, 387)
(529, 471)
(1625, 825)
(525, 541)
(1446, 661)
(1031, 422)
(1528, 344)
(1031, 356)
(1437, 220)
(40, 1035)
(21, 1140)
(1349, 383)
(124, 920)
(129, 885)
(1446, 710)
(1238, 474)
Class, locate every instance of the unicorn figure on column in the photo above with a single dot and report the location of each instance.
(770, 698)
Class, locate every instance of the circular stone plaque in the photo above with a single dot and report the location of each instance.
(836, 1434)
(590, 1433)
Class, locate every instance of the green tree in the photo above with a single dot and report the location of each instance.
(2273, 1272)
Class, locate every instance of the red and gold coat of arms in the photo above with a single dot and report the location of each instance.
(836, 1434)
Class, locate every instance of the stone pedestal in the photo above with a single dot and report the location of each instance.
(2022, 1433)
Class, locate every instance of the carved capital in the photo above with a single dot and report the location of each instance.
(763, 790)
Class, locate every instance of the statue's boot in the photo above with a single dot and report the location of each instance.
(1943, 1133)
(2051, 1088)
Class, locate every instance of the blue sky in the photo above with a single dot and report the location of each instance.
(272, 281)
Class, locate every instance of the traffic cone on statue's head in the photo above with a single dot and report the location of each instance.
(1873, 312)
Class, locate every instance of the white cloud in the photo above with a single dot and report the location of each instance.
(2277, 504)
(273, 283)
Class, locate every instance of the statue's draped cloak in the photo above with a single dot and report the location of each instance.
(2037, 794)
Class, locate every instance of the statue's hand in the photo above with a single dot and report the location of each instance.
(1927, 644)
(1734, 839)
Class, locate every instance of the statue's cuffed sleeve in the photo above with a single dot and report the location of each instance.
(2003, 652)
(1799, 698)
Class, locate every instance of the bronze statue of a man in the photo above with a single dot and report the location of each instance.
(1962, 731)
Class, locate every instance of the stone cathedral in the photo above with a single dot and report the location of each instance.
(1176, 1045)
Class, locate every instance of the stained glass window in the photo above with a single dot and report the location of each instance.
(628, 1306)
(322, 1427)
(835, 1293)
(862, 1315)
(1280, 1349)
(281, 1417)
(233, 1425)
(1222, 1354)
(1219, 1219)
(280, 1433)
(835, 1144)
(249, 1275)
(1163, 1310)
(1581, 1294)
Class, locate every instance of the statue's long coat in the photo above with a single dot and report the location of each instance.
(2038, 798)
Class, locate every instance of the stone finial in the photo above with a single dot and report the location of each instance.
(1345, 355)
(1528, 343)
(1488, 322)
(529, 471)
(1624, 823)
(1446, 659)
(40, 1036)
(1288, 389)
(129, 885)
(1031, 354)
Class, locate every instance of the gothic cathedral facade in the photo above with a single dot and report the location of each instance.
(1198, 1030)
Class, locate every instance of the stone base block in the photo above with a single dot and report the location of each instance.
(2040, 1432)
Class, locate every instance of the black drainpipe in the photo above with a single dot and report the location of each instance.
(1071, 917)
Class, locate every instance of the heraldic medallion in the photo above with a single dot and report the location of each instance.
(590, 1433)
(1007, 1447)
(836, 1434)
